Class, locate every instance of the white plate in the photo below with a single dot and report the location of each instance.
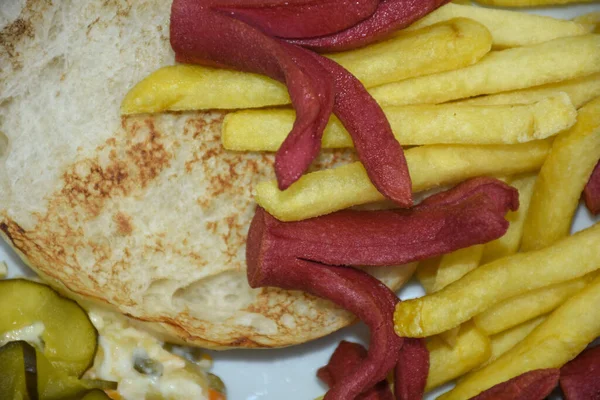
(289, 374)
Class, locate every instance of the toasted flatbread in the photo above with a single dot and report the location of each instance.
(146, 215)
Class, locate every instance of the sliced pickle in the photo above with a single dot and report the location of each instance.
(18, 372)
(69, 338)
(95, 395)
(54, 384)
(26, 374)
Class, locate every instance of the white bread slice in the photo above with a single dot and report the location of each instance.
(146, 215)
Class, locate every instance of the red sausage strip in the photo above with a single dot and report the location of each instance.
(410, 375)
(532, 385)
(471, 213)
(580, 378)
(346, 358)
(379, 151)
(390, 16)
(591, 192)
(351, 289)
(299, 18)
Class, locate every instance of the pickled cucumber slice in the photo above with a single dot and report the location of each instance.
(55, 384)
(26, 374)
(69, 340)
(18, 377)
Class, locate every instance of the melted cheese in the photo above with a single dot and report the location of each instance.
(119, 344)
(30, 333)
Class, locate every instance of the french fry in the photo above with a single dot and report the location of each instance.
(426, 273)
(450, 337)
(504, 341)
(490, 284)
(565, 333)
(562, 178)
(452, 267)
(500, 71)
(457, 264)
(592, 20)
(518, 309)
(443, 47)
(510, 242)
(265, 130)
(446, 363)
(435, 274)
(508, 28)
(529, 3)
(194, 87)
(580, 91)
(330, 190)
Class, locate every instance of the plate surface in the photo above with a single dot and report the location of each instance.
(289, 374)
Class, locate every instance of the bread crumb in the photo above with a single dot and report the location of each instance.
(3, 270)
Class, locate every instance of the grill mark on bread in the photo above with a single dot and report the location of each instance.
(150, 155)
(20, 30)
(124, 225)
(88, 184)
(10, 36)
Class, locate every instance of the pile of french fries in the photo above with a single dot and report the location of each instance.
(477, 92)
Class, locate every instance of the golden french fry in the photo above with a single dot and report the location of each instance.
(562, 178)
(443, 47)
(426, 273)
(500, 71)
(592, 20)
(565, 333)
(529, 3)
(450, 337)
(436, 273)
(452, 267)
(509, 243)
(504, 341)
(330, 190)
(508, 28)
(265, 130)
(580, 91)
(488, 285)
(194, 87)
(457, 264)
(518, 309)
(446, 363)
